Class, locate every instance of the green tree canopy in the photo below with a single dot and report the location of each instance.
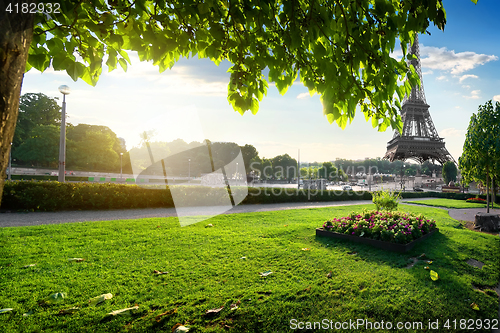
(480, 160)
(93, 147)
(41, 148)
(35, 109)
(450, 172)
(338, 49)
(284, 167)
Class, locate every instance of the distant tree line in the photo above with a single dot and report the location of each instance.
(97, 148)
(36, 139)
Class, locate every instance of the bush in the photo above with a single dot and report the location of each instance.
(55, 196)
(476, 200)
(386, 200)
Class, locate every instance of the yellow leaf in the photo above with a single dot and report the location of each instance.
(99, 299)
(305, 249)
(434, 275)
(474, 306)
(127, 311)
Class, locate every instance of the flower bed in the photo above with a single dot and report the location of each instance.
(476, 200)
(394, 227)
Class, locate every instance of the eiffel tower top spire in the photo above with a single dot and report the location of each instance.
(418, 139)
(417, 94)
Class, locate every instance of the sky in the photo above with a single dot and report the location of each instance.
(460, 66)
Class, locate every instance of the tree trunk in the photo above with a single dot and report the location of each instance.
(487, 194)
(493, 191)
(16, 32)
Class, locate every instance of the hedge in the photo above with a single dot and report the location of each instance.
(55, 196)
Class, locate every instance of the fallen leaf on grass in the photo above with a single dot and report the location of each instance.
(55, 298)
(234, 306)
(68, 311)
(159, 273)
(434, 275)
(266, 273)
(329, 275)
(209, 225)
(243, 257)
(429, 262)
(6, 310)
(214, 311)
(99, 299)
(178, 328)
(30, 265)
(305, 249)
(286, 225)
(474, 306)
(76, 259)
(166, 313)
(27, 314)
(426, 267)
(125, 312)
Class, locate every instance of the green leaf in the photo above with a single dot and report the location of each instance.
(475, 1)
(342, 121)
(123, 64)
(61, 61)
(39, 61)
(75, 70)
(434, 275)
(383, 126)
(254, 106)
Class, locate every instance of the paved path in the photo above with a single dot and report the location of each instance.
(36, 218)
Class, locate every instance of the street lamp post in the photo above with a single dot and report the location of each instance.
(189, 170)
(369, 178)
(121, 169)
(62, 141)
(10, 162)
(402, 180)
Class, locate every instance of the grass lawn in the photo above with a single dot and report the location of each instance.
(211, 267)
(451, 203)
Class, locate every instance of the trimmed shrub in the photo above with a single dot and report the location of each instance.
(55, 196)
(386, 200)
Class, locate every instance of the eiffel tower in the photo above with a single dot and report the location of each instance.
(419, 140)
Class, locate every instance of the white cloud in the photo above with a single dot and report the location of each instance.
(452, 133)
(429, 72)
(303, 96)
(458, 107)
(465, 86)
(496, 98)
(463, 77)
(442, 78)
(474, 94)
(448, 60)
